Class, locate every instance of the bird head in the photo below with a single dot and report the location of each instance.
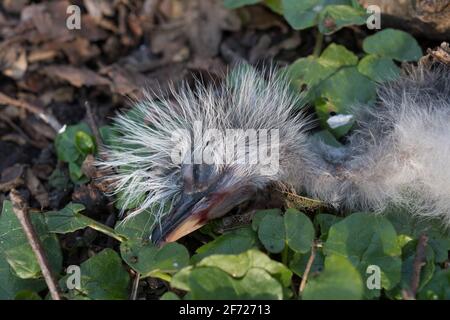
(206, 151)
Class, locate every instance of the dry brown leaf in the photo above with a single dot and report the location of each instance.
(59, 95)
(12, 177)
(99, 8)
(36, 188)
(13, 62)
(77, 77)
(205, 28)
(124, 81)
(39, 54)
(80, 50)
(49, 18)
(14, 6)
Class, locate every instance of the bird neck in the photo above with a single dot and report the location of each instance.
(316, 172)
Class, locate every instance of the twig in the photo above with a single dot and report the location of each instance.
(308, 268)
(135, 288)
(20, 208)
(417, 266)
(92, 123)
(47, 118)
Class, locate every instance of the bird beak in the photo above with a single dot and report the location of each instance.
(194, 211)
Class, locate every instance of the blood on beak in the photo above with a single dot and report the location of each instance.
(192, 212)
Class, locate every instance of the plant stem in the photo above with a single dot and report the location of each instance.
(318, 45)
(307, 269)
(135, 287)
(284, 255)
(419, 263)
(104, 229)
(20, 208)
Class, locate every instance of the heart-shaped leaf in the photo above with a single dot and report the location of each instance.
(394, 44)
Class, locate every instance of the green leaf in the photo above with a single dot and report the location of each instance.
(11, 285)
(299, 231)
(180, 279)
(109, 135)
(123, 201)
(65, 143)
(324, 222)
(340, 92)
(14, 245)
(337, 56)
(413, 227)
(213, 283)
(234, 242)
(27, 295)
(137, 227)
(438, 287)
(68, 219)
(271, 233)
(333, 83)
(299, 261)
(346, 88)
(366, 239)
(301, 14)
(310, 72)
(394, 44)
(72, 145)
(103, 277)
(149, 260)
(275, 268)
(235, 265)
(169, 296)
(84, 143)
(379, 69)
(233, 4)
(408, 257)
(258, 284)
(275, 5)
(59, 179)
(260, 214)
(339, 281)
(335, 17)
(250, 275)
(238, 265)
(76, 175)
(23, 260)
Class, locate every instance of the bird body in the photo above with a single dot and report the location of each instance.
(398, 154)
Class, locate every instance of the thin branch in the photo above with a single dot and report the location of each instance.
(47, 118)
(93, 124)
(308, 268)
(419, 262)
(20, 208)
(135, 288)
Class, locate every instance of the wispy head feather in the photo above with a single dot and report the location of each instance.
(142, 157)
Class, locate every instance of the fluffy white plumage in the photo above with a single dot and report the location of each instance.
(399, 153)
(142, 159)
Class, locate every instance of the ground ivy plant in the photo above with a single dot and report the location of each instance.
(282, 254)
(336, 81)
(264, 260)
